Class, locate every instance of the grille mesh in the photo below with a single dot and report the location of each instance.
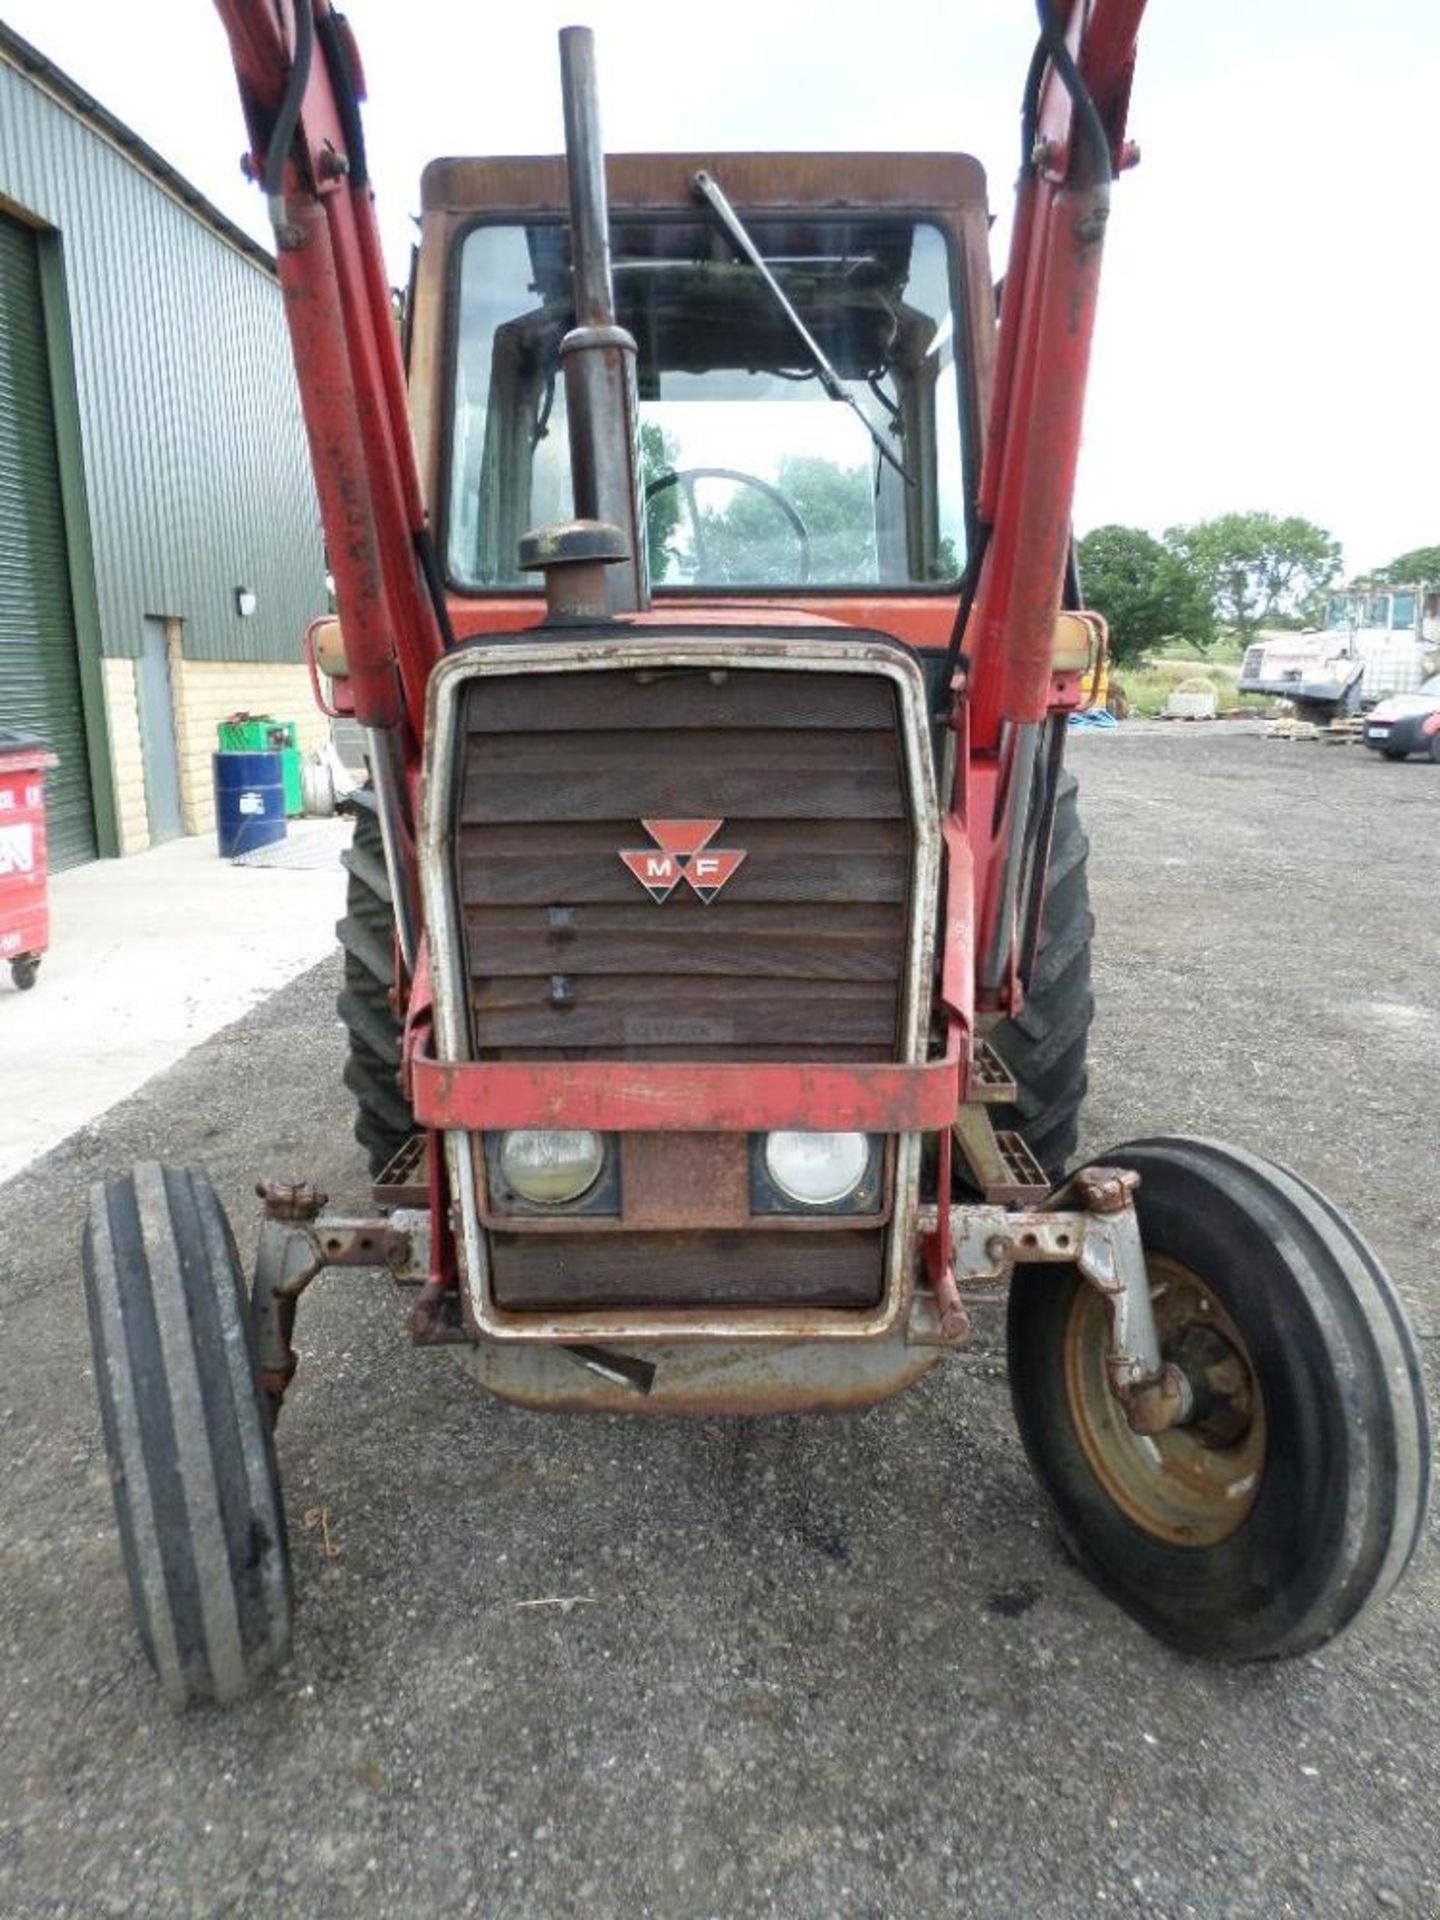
(800, 957)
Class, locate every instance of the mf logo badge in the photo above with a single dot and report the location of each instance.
(682, 851)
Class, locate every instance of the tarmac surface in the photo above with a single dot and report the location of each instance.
(798, 1667)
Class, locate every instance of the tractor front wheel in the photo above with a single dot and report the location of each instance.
(383, 1121)
(197, 1495)
(1293, 1496)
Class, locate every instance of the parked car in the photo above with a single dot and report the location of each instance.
(1407, 723)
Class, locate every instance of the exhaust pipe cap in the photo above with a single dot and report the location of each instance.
(573, 556)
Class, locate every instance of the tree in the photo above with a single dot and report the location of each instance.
(1420, 567)
(662, 511)
(1147, 593)
(750, 541)
(1254, 567)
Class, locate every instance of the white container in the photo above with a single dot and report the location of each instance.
(1192, 700)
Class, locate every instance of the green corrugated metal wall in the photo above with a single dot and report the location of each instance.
(39, 664)
(194, 451)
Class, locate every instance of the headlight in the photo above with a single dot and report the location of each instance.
(547, 1169)
(817, 1169)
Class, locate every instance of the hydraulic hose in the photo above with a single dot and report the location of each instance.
(288, 117)
(954, 653)
(1087, 115)
(335, 49)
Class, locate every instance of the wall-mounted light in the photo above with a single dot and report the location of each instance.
(245, 602)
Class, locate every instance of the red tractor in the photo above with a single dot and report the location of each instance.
(717, 952)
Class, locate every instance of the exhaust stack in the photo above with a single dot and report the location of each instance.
(598, 356)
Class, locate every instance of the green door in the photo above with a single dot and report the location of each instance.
(39, 662)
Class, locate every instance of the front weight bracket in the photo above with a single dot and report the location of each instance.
(1101, 1239)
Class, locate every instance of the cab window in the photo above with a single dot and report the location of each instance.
(754, 476)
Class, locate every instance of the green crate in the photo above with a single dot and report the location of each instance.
(262, 733)
(290, 777)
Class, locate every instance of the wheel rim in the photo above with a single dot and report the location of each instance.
(1191, 1486)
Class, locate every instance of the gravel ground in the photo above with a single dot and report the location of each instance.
(814, 1666)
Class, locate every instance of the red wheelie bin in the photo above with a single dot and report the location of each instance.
(24, 864)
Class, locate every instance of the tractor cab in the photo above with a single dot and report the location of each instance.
(807, 423)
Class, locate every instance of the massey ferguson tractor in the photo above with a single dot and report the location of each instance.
(717, 972)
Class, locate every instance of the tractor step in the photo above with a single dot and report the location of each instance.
(1000, 1163)
(405, 1180)
(991, 1081)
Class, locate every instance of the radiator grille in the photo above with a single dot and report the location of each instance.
(800, 957)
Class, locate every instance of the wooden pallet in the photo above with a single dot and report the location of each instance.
(1338, 733)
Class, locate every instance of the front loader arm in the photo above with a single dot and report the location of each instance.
(1076, 98)
(1074, 121)
(300, 87)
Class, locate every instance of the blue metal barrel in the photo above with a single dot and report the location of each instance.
(249, 801)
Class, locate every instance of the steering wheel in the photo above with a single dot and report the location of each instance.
(685, 477)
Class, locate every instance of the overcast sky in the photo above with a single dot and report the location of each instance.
(1270, 321)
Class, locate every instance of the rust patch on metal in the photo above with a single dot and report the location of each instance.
(290, 1199)
(684, 1180)
(1107, 1189)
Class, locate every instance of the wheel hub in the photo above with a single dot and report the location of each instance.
(1192, 1484)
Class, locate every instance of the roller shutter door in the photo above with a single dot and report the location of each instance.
(39, 664)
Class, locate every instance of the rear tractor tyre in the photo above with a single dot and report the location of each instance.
(383, 1120)
(197, 1495)
(1295, 1496)
(1046, 1044)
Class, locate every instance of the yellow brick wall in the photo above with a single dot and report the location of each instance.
(127, 765)
(204, 692)
(209, 691)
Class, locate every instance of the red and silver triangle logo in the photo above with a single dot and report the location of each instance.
(682, 851)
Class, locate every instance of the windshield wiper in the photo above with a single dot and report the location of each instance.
(710, 191)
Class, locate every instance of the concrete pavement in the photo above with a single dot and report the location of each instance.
(148, 957)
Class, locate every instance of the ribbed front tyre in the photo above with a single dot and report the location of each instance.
(1046, 1045)
(1294, 1496)
(383, 1121)
(197, 1496)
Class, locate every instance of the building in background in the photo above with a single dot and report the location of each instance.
(160, 546)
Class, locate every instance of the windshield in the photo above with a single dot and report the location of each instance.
(1340, 614)
(1402, 613)
(754, 476)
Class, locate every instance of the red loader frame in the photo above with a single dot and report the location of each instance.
(300, 83)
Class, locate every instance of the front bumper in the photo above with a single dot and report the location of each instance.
(668, 1096)
(1397, 736)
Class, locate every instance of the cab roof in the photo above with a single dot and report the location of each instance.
(916, 182)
